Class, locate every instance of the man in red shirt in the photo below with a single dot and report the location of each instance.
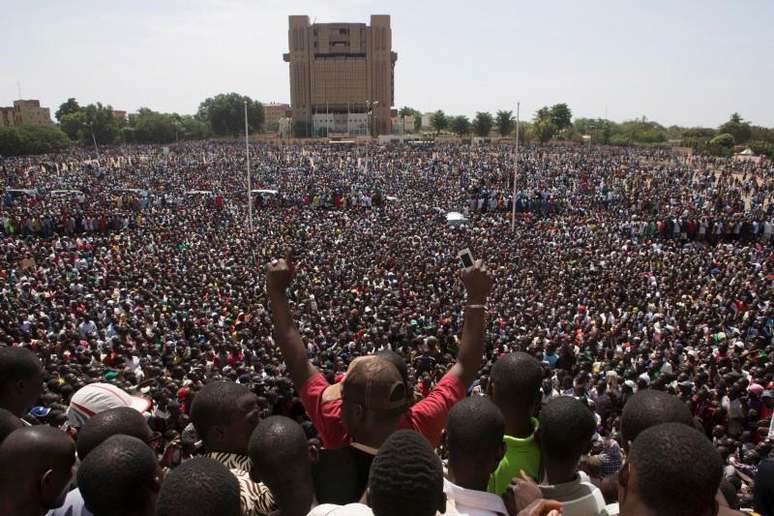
(323, 402)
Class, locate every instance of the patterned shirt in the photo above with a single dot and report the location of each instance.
(254, 497)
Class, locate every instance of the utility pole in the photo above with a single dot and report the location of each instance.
(249, 178)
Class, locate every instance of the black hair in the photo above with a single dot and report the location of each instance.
(115, 421)
(764, 487)
(475, 429)
(406, 477)
(517, 378)
(17, 364)
(8, 423)
(278, 446)
(215, 405)
(397, 361)
(678, 471)
(649, 408)
(199, 487)
(729, 493)
(110, 477)
(566, 428)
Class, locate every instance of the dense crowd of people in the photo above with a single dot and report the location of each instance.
(172, 344)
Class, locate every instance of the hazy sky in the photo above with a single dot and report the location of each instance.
(678, 62)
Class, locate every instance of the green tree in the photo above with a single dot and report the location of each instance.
(72, 123)
(460, 125)
(408, 111)
(504, 122)
(763, 148)
(225, 114)
(698, 132)
(71, 106)
(721, 145)
(738, 128)
(439, 121)
(543, 124)
(194, 129)
(761, 134)
(152, 127)
(32, 139)
(482, 124)
(639, 131)
(561, 116)
(99, 119)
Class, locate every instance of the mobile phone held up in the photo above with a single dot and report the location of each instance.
(466, 258)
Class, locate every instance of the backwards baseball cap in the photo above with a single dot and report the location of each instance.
(99, 397)
(373, 382)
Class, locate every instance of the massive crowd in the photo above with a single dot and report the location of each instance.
(631, 300)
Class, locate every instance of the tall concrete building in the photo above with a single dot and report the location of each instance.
(342, 75)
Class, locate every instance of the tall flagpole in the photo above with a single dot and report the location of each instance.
(249, 178)
(515, 170)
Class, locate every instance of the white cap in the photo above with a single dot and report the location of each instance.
(99, 397)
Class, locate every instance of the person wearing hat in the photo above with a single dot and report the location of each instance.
(374, 397)
(99, 397)
(324, 404)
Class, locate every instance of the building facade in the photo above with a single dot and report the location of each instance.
(6, 117)
(24, 112)
(273, 111)
(344, 69)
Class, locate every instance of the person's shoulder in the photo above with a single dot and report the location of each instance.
(73, 506)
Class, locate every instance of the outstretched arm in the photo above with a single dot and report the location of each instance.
(477, 286)
(278, 277)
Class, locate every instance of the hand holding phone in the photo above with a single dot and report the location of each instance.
(477, 283)
(466, 257)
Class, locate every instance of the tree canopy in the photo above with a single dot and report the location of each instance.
(225, 114)
(439, 121)
(738, 128)
(71, 106)
(504, 122)
(32, 139)
(460, 125)
(482, 124)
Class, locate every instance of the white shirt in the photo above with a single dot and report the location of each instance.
(469, 502)
(352, 509)
(73, 506)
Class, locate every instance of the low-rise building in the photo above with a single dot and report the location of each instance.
(272, 112)
(24, 112)
(6, 117)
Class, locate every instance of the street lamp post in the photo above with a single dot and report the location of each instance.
(93, 138)
(249, 177)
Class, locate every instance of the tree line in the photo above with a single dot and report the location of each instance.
(556, 123)
(221, 115)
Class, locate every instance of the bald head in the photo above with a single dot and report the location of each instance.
(36, 466)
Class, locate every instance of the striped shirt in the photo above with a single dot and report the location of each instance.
(254, 497)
